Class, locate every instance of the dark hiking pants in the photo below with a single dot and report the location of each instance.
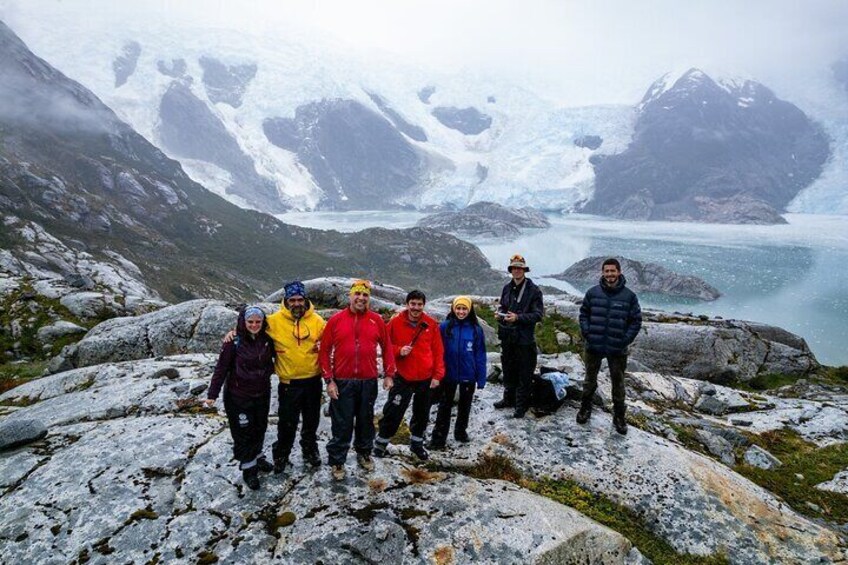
(617, 364)
(299, 398)
(352, 415)
(442, 427)
(402, 393)
(248, 419)
(519, 362)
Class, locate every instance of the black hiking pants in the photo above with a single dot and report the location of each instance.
(402, 393)
(519, 362)
(442, 427)
(248, 420)
(352, 413)
(617, 364)
(299, 398)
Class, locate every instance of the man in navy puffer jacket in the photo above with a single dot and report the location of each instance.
(610, 319)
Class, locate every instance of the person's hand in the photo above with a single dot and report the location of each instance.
(405, 350)
(231, 335)
(209, 402)
(388, 383)
(316, 347)
(333, 390)
(511, 317)
(434, 383)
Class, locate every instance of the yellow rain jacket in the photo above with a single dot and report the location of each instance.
(295, 343)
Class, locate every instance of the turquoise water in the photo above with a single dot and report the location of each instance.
(792, 276)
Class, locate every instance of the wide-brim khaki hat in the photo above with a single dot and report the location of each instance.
(517, 261)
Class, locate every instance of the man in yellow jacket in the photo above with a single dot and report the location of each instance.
(296, 330)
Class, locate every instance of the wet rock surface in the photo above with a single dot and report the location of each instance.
(139, 478)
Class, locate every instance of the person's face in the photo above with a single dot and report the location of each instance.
(254, 324)
(460, 311)
(517, 273)
(359, 301)
(296, 305)
(415, 308)
(610, 274)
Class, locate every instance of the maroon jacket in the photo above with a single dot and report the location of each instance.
(245, 364)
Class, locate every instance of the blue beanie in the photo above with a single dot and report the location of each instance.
(253, 311)
(295, 288)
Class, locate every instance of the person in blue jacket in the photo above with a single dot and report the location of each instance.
(465, 368)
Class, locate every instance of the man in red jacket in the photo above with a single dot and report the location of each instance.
(348, 360)
(417, 347)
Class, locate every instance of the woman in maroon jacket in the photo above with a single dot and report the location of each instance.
(246, 365)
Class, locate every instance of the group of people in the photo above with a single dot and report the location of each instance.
(422, 360)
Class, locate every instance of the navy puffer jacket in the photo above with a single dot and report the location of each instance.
(610, 318)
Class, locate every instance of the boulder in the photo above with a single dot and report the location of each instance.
(91, 305)
(17, 432)
(756, 456)
(720, 351)
(718, 446)
(333, 292)
(48, 334)
(839, 483)
(195, 326)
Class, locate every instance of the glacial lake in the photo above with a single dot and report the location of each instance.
(792, 276)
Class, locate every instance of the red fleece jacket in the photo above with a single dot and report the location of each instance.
(349, 346)
(427, 358)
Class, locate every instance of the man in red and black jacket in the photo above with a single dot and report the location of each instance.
(348, 360)
(419, 354)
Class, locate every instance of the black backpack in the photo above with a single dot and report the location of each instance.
(543, 398)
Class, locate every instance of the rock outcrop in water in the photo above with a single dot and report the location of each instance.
(642, 277)
(485, 219)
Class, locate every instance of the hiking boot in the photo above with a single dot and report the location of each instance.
(338, 472)
(461, 437)
(380, 451)
(519, 414)
(620, 424)
(436, 445)
(251, 477)
(365, 461)
(280, 465)
(501, 404)
(419, 451)
(584, 414)
(264, 465)
(312, 458)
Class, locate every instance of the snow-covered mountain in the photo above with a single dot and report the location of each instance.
(261, 118)
(726, 151)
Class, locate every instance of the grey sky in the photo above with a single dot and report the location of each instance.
(586, 51)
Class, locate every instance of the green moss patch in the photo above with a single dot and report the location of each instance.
(551, 325)
(804, 466)
(16, 374)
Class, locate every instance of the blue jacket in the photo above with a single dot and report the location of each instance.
(465, 352)
(610, 318)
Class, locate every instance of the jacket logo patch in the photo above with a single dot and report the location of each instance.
(469, 346)
(397, 400)
(243, 421)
